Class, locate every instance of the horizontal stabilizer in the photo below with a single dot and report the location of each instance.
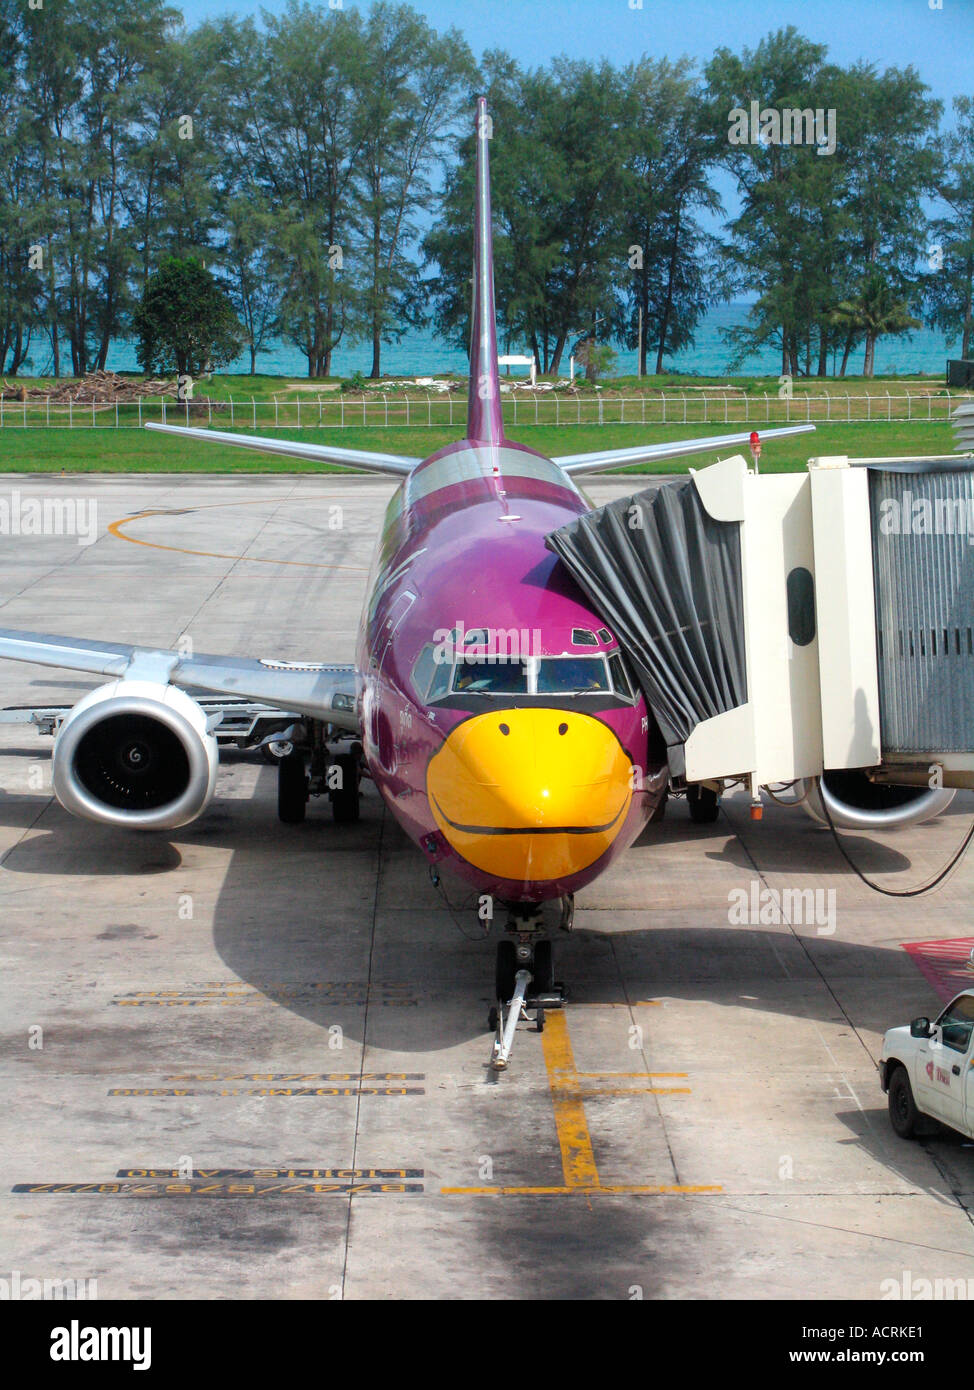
(391, 464)
(649, 453)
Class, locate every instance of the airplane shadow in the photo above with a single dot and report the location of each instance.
(306, 906)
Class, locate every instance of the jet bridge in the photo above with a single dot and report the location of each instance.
(782, 625)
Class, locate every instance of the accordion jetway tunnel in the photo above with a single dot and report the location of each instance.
(815, 629)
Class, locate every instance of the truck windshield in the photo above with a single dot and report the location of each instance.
(957, 1023)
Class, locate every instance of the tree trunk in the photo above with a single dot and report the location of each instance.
(668, 303)
(376, 350)
(846, 353)
(253, 359)
(559, 349)
(867, 366)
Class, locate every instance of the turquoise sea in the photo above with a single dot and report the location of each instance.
(421, 353)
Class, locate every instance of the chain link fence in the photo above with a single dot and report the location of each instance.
(411, 410)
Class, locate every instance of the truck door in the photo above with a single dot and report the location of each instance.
(943, 1077)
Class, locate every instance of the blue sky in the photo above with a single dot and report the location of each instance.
(886, 32)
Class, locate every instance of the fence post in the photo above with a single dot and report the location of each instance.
(644, 408)
(622, 410)
(557, 421)
(231, 410)
(341, 403)
(116, 412)
(889, 408)
(429, 410)
(407, 406)
(808, 409)
(48, 413)
(140, 409)
(299, 412)
(929, 407)
(536, 411)
(276, 413)
(163, 410)
(385, 403)
(869, 407)
(449, 397)
(848, 402)
(92, 412)
(364, 399)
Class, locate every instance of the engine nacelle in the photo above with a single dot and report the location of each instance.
(136, 754)
(856, 803)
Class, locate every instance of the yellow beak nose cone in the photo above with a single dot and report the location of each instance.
(530, 794)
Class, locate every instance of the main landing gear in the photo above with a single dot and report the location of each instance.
(311, 769)
(524, 980)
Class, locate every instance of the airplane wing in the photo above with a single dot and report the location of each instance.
(648, 453)
(324, 692)
(393, 465)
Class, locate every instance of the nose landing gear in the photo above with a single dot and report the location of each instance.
(524, 980)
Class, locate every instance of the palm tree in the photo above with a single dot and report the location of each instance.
(876, 312)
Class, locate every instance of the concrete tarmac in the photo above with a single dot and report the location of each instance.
(250, 1060)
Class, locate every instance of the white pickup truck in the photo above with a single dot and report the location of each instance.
(927, 1070)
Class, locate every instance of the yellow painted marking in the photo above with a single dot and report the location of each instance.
(610, 1188)
(577, 1156)
(638, 1004)
(595, 1091)
(611, 1075)
(115, 528)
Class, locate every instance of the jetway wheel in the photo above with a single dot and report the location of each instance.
(704, 805)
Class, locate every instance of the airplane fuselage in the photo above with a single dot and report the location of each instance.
(498, 721)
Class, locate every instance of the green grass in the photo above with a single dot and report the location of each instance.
(132, 451)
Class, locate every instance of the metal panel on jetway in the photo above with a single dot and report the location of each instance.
(923, 564)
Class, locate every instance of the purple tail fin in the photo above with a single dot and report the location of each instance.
(484, 420)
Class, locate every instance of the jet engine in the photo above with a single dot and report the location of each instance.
(856, 803)
(136, 754)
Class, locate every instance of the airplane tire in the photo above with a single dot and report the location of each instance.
(345, 799)
(704, 805)
(903, 1113)
(505, 976)
(544, 970)
(292, 789)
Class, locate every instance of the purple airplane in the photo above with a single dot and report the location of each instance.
(490, 705)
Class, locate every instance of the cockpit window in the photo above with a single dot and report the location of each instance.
(620, 677)
(491, 677)
(572, 675)
(423, 671)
